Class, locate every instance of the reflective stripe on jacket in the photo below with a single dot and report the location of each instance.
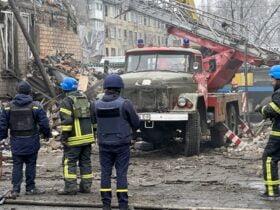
(272, 111)
(78, 131)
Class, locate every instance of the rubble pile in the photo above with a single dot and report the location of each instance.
(58, 66)
(252, 147)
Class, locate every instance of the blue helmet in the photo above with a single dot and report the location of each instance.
(69, 84)
(113, 81)
(274, 72)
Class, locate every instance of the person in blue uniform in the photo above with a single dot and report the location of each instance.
(25, 120)
(116, 119)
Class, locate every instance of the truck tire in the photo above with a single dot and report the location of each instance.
(232, 118)
(218, 131)
(217, 135)
(192, 135)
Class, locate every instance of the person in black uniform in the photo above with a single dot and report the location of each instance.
(115, 118)
(25, 119)
(77, 137)
(271, 154)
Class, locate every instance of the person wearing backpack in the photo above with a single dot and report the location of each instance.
(24, 119)
(76, 138)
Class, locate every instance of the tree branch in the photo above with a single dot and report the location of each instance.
(267, 20)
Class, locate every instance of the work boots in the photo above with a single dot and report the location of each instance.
(106, 207)
(34, 191)
(265, 196)
(66, 192)
(128, 208)
(14, 194)
(84, 189)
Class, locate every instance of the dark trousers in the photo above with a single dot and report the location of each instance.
(82, 156)
(271, 156)
(30, 171)
(117, 156)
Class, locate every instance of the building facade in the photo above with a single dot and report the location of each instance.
(123, 30)
(105, 32)
(91, 29)
(49, 28)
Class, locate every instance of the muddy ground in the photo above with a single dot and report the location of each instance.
(165, 178)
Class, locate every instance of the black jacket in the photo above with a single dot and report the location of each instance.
(28, 144)
(129, 112)
(272, 111)
(75, 132)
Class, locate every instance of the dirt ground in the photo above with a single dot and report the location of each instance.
(165, 178)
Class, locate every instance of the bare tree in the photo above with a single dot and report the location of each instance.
(261, 18)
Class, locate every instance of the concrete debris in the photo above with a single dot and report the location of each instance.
(59, 66)
(251, 146)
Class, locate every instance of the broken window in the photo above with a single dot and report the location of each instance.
(113, 52)
(130, 36)
(106, 10)
(120, 33)
(10, 40)
(135, 37)
(113, 32)
(106, 32)
(125, 35)
(7, 36)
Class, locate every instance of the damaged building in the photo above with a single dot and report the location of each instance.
(51, 26)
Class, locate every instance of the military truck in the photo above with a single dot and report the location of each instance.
(168, 87)
(175, 89)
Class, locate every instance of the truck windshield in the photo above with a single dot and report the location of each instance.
(158, 62)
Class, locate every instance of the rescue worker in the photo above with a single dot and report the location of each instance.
(25, 119)
(77, 137)
(115, 117)
(271, 154)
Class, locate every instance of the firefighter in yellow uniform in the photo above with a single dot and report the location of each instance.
(271, 154)
(77, 137)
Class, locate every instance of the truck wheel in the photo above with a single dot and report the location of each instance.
(232, 118)
(217, 135)
(192, 135)
(218, 131)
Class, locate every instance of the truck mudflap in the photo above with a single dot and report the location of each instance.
(163, 116)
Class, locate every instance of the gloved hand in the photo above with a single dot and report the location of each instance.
(258, 108)
(46, 137)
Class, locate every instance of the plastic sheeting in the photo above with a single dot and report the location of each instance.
(92, 42)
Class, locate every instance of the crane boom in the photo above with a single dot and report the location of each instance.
(217, 34)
